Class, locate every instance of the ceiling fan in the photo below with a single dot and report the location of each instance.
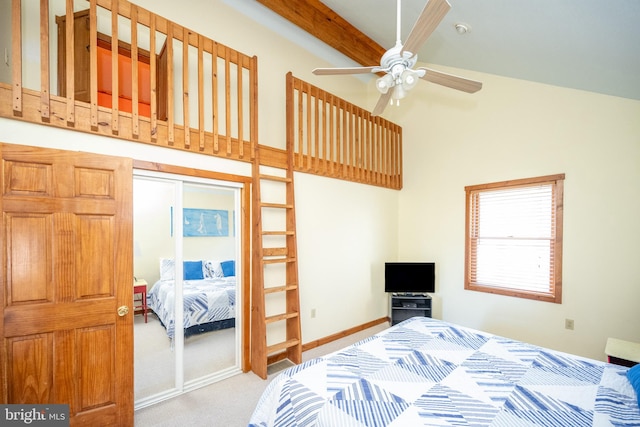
(397, 63)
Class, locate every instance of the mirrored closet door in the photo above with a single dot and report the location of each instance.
(186, 248)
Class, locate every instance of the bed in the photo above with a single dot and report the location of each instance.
(209, 298)
(426, 372)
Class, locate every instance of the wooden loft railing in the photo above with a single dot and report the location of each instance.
(331, 137)
(207, 92)
(205, 103)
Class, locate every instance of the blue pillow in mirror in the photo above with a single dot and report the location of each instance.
(228, 268)
(193, 270)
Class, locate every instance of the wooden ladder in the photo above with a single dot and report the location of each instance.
(280, 254)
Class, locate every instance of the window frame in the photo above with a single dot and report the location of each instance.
(555, 286)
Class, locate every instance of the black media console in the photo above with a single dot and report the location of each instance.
(405, 306)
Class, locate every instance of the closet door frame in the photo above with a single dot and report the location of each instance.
(242, 186)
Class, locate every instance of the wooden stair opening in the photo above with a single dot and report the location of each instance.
(274, 249)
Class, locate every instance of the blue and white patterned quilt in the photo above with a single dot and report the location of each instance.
(425, 372)
(205, 301)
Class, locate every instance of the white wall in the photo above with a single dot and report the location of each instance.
(346, 232)
(515, 129)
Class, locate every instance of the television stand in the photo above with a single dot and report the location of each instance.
(406, 306)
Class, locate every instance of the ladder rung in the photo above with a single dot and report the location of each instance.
(278, 260)
(278, 317)
(278, 233)
(275, 289)
(283, 345)
(275, 178)
(275, 251)
(276, 205)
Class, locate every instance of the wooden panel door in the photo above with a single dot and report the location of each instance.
(66, 270)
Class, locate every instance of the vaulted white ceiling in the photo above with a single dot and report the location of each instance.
(591, 45)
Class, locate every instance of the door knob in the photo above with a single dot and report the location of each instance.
(123, 310)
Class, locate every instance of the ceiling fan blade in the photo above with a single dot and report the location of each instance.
(430, 17)
(449, 80)
(383, 101)
(353, 70)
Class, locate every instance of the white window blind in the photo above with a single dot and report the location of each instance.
(512, 238)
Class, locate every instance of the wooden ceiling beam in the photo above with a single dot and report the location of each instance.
(323, 23)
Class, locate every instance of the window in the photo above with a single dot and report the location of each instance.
(514, 238)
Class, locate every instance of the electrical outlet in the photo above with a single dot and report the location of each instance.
(313, 313)
(568, 324)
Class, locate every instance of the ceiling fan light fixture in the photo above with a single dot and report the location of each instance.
(384, 83)
(409, 79)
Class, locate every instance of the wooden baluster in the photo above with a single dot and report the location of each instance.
(357, 158)
(364, 145)
(394, 158)
(239, 69)
(323, 100)
(383, 137)
(383, 158)
(338, 159)
(201, 92)
(93, 64)
(372, 149)
(153, 69)
(349, 141)
(370, 145)
(44, 60)
(355, 117)
(355, 161)
(298, 136)
(351, 161)
(170, 93)
(399, 158)
(115, 84)
(377, 149)
(227, 97)
(309, 126)
(185, 87)
(387, 146)
(369, 139)
(135, 118)
(16, 47)
(214, 96)
(383, 153)
(253, 107)
(316, 133)
(332, 137)
(70, 61)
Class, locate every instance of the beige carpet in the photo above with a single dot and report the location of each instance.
(228, 403)
(154, 359)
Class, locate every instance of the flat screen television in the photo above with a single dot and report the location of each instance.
(410, 277)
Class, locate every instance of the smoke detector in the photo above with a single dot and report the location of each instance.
(462, 28)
